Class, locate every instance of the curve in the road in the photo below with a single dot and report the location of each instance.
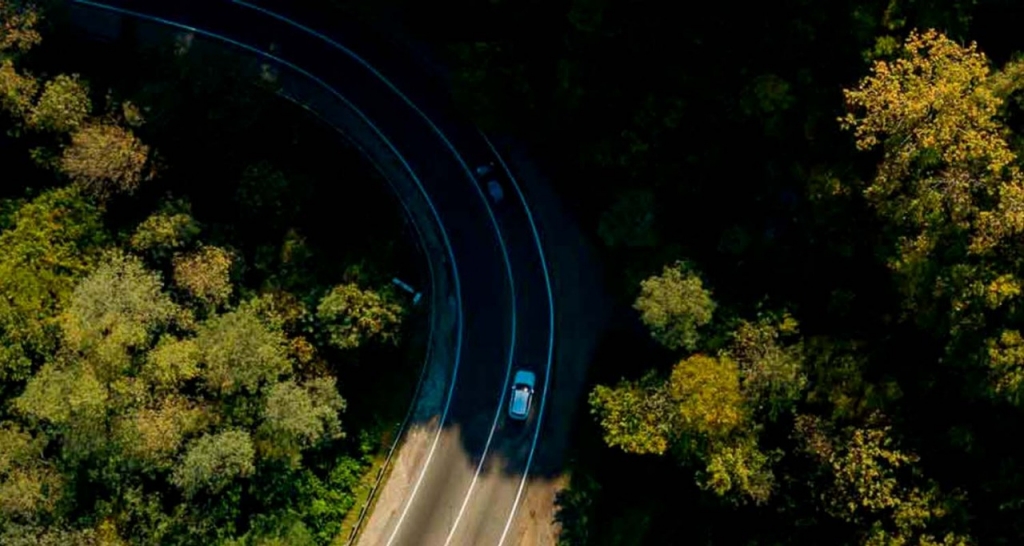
(544, 268)
(505, 254)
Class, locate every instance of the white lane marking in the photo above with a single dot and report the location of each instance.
(508, 371)
(458, 292)
(540, 251)
(551, 345)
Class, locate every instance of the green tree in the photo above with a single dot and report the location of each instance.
(699, 414)
(674, 305)
(632, 415)
(112, 316)
(18, 34)
(29, 484)
(154, 433)
(172, 362)
(771, 372)
(298, 416)
(53, 241)
(241, 352)
(276, 530)
(17, 90)
(45, 535)
(876, 486)
(327, 500)
(736, 468)
(213, 461)
(353, 316)
(168, 230)
(68, 396)
(1006, 359)
(114, 312)
(63, 106)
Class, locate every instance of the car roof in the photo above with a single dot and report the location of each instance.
(520, 398)
(524, 377)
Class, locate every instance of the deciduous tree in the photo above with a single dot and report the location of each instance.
(154, 434)
(1006, 361)
(213, 461)
(700, 415)
(17, 90)
(633, 415)
(105, 159)
(771, 371)
(736, 468)
(63, 106)
(240, 352)
(706, 395)
(298, 416)
(353, 316)
(948, 186)
(29, 484)
(172, 362)
(53, 241)
(205, 274)
(18, 26)
(877, 486)
(169, 230)
(674, 305)
(45, 535)
(67, 396)
(114, 311)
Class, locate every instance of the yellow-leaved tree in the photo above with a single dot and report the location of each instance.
(950, 193)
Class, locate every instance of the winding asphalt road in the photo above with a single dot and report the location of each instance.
(468, 488)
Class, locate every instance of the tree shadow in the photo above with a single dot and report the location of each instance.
(581, 308)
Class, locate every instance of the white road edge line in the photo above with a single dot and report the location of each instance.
(451, 255)
(544, 267)
(551, 345)
(455, 153)
(430, 333)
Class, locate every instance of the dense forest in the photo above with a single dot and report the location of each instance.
(193, 338)
(811, 215)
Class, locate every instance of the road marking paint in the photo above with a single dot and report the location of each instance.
(465, 166)
(540, 251)
(551, 346)
(380, 135)
(493, 220)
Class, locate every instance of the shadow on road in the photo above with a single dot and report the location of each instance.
(470, 231)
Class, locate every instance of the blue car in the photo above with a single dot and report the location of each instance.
(522, 395)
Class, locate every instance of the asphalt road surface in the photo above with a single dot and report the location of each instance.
(467, 490)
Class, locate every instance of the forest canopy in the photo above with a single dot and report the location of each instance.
(888, 430)
(166, 378)
(810, 215)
